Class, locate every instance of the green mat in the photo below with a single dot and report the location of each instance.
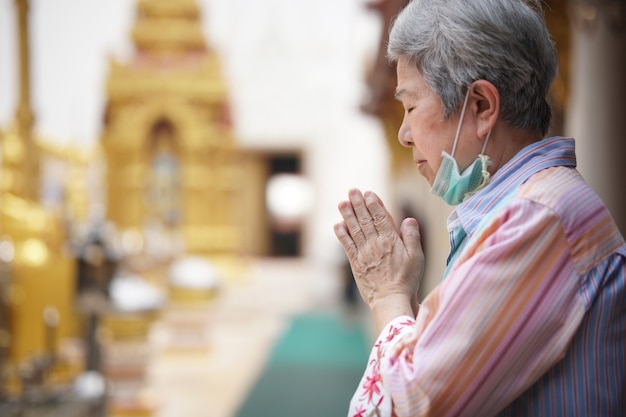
(313, 370)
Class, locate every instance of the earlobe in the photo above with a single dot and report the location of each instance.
(486, 106)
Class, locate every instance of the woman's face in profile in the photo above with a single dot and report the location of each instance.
(424, 128)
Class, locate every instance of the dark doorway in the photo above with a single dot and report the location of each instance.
(284, 236)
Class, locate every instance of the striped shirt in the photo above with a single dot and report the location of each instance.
(530, 319)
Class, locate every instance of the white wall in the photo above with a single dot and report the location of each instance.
(70, 43)
(296, 71)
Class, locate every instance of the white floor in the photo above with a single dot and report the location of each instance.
(203, 359)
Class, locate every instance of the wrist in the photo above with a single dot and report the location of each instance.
(390, 307)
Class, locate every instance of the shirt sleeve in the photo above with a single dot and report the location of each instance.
(371, 398)
(504, 315)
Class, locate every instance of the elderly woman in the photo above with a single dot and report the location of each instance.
(530, 317)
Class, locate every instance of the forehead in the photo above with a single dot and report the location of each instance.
(410, 80)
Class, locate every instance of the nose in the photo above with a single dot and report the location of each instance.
(404, 134)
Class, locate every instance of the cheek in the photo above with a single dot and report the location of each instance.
(428, 123)
(430, 146)
(427, 138)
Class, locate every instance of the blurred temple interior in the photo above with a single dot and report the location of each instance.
(169, 178)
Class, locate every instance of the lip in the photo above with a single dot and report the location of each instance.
(420, 163)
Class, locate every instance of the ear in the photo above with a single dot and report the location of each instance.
(485, 105)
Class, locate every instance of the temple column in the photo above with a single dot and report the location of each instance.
(27, 161)
(596, 116)
(24, 114)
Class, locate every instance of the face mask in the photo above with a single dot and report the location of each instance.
(451, 185)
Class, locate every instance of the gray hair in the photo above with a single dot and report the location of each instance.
(456, 42)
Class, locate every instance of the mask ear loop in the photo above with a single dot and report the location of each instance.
(458, 129)
(484, 161)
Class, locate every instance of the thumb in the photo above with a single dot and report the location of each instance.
(410, 234)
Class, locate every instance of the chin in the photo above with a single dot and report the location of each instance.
(430, 179)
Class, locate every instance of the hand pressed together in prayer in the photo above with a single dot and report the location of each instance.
(387, 262)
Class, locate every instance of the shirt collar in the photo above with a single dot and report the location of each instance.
(547, 153)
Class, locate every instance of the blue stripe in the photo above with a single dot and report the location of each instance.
(596, 360)
(590, 381)
(535, 157)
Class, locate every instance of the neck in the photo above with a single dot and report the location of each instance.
(505, 143)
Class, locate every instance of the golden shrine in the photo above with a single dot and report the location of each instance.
(171, 159)
(174, 188)
(37, 272)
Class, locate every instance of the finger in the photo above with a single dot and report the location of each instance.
(386, 211)
(341, 231)
(363, 215)
(382, 221)
(352, 226)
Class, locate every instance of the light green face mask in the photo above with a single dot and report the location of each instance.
(452, 185)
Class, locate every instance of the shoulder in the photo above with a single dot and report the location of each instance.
(586, 222)
(564, 191)
(552, 187)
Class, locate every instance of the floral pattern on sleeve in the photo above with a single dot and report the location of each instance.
(371, 399)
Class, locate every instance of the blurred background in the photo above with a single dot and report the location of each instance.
(169, 178)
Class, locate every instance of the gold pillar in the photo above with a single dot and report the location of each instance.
(24, 112)
(21, 157)
(42, 274)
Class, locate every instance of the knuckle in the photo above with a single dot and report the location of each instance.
(355, 230)
(379, 220)
(366, 221)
